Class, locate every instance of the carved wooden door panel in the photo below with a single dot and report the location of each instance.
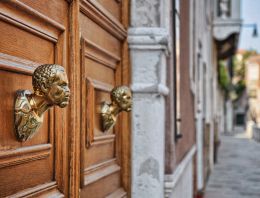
(31, 33)
(104, 155)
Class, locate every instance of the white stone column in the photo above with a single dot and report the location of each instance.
(148, 43)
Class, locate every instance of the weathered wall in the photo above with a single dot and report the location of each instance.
(156, 156)
(148, 41)
(177, 149)
(187, 126)
(180, 152)
(204, 82)
(180, 184)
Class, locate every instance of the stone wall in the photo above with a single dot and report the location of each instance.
(148, 39)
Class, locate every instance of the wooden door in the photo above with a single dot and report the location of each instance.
(31, 33)
(70, 141)
(104, 155)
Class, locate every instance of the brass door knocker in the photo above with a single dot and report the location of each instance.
(50, 84)
(121, 98)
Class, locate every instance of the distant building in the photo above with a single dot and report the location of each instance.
(253, 87)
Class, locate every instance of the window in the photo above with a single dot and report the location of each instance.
(176, 42)
(224, 8)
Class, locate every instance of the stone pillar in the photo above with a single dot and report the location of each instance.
(148, 43)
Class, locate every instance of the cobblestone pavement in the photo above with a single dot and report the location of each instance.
(237, 173)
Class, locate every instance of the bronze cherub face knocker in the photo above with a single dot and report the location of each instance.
(121, 101)
(50, 84)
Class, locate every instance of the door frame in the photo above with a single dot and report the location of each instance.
(74, 111)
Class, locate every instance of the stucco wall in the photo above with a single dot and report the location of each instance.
(180, 184)
(148, 39)
(184, 187)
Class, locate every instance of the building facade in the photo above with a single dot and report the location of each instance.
(167, 52)
(191, 38)
(252, 92)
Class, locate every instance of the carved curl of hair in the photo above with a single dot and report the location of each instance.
(118, 92)
(44, 75)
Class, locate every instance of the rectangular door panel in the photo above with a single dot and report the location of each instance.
(21, 43)
(22, 164)
(99, 148)
(102, 41)
(113, 8)
(27, 39)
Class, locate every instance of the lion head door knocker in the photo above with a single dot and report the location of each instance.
(121, 98)
(50, 84)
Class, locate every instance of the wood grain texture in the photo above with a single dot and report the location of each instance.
(24, 155)
(15, 64)
(95, 173)
(88, 127)
(103, 187)
(126, 117)
(29, 19)
(120, 193)
(44, 190)
(56, 160)
(25, 176)
(75, 108)
(105, 19)
(17, 159)
(10, 82)
(20, 43)
(93, 85)
(113, 7)
(56, 10)
(104, 64)
(29, 38)
(100, 55)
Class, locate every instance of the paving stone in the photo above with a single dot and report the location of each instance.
(237, 173)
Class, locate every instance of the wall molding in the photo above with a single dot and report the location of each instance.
(149, 43)
(34, 22)
(149, 38)
(98, 54)
(171, 180)
(102, 17)
(150, 88)
(102, 170)
(24, 155)
(48, 189)
(15, 64)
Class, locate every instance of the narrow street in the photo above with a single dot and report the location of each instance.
(237, 172)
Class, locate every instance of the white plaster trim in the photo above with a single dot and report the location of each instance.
(150, 47)
(224, 28)
(200, 144)
(150, 88)
(149, 38)
(147, 31)
(170, 181)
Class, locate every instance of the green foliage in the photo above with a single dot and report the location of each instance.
(224, 79)
(239, 68)
(234, 87)
(240, 87)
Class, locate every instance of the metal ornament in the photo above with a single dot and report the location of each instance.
(50, 84)
(121, 98)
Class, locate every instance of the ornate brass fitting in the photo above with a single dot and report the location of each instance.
(50, 84)
(121, 98)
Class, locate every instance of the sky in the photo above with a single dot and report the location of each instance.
(250, 10)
